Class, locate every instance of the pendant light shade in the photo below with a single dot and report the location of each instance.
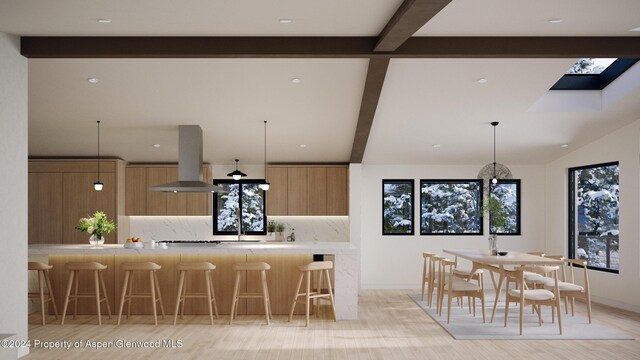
(494, 171)
(237, 174)
(265, 185)
(98, 186)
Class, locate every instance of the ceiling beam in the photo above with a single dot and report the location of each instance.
(409, 18)
(327, 47)
(372, 90)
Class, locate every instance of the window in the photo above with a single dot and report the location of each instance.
(594, 215)
(245, 195)
(397, 207)
(507, 196)
(450, 207)
(593, 73)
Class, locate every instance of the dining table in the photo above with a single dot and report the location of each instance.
(501, 264)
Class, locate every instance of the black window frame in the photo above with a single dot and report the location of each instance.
(214, 214)
(594, 81)
(572, 207)
(519, 206)
(455, 181)
(413, 206)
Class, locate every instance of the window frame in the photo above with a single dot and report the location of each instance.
(594, 81)
(413, 206)
(240, 182)
(455, 181)
(572, 208)
(517, 182)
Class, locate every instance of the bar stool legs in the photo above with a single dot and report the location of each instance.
(98, 279)
(322, 268)
(210, 295)
(43, 278)
(154, 285)
(259, 266)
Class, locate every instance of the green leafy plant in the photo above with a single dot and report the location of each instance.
(496, 211)
(279, 227)
(97, 225)
(271, 226)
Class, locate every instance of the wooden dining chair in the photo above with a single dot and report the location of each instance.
(427, 272)
(435, 281)
(457, 287)
(536, 297)
(570, 290)
(535, 279)
(466, 275)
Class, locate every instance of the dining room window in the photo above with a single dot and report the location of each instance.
(243, 195)
(594, 214)
(451, 207)
(506, 194)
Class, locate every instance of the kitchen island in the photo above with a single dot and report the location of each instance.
(282, 278)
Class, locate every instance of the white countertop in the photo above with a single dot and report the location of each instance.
(341, 248)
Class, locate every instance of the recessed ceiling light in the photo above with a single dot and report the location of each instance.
(635, 29)
(93, 80)
(104, 21)
(156, 145)
(564, 145)
(285, 21)
(436, 145)
(555, 21)
(482, 80)
(296, 80)
(303, 146)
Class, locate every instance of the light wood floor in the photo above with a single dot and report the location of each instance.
(391, 326)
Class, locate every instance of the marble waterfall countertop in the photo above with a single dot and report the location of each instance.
(341, 248)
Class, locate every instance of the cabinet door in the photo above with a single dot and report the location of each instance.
(317, 191)
(176, 202)
(45, 208)
(297, 191)
(136, 191)
(81, 200)
(277, 195)
(337, 191)
(200, 203)
(156, 201)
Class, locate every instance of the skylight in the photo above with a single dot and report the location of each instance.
(590, 66)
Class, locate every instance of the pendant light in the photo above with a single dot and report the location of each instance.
(494, 171)
(237, 174)
(265, 186)
(98, 185)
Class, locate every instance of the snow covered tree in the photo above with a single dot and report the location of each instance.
(452, 208)
(252, 202)
(398, 208)
(504, 218)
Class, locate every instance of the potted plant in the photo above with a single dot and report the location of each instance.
(271, 230)
(497, 214)
(97, 226)
(280, 231)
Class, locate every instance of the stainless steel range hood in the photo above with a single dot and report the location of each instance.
(189, 164)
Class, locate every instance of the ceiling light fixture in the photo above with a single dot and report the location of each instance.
(494, 171)
(564, 145)
(296, 80)
(435, 146)
(237, 174)
(98, 185)
(285, 21)
(555, 21)
(303, 145)
(156, 145)
(482, 80)
(93, 80)
(104, 21)
(265, 185)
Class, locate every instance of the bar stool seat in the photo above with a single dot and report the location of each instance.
(262, 267)
(321, 268)
(210, 295)
(74, 268)
(127, 288)
(43, 277)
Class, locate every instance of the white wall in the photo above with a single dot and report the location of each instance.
(13, 192)
(623, 145)
(395, 262)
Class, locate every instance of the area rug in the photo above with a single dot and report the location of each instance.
(464, 326)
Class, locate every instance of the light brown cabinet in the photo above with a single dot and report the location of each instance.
(61, 192)
(141, 201)
(307, 190)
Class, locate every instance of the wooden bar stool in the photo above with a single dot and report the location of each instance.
(43, 276)
(255, 266)
(321, 268)
(129, 268)
(184, 269)
(74, 269)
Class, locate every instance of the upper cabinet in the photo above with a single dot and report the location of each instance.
(307, 190)
(61, 192)
(141, 201)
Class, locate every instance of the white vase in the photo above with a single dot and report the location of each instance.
(93, 240)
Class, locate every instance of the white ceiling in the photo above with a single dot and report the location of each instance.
(424, 101)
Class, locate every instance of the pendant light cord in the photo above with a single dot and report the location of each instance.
(494, 151)
(98, 151)
(265, 151)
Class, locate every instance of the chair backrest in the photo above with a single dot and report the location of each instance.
(443, 268)
(545, 270)
(563, 275)
(579, 263)
(427, 263)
